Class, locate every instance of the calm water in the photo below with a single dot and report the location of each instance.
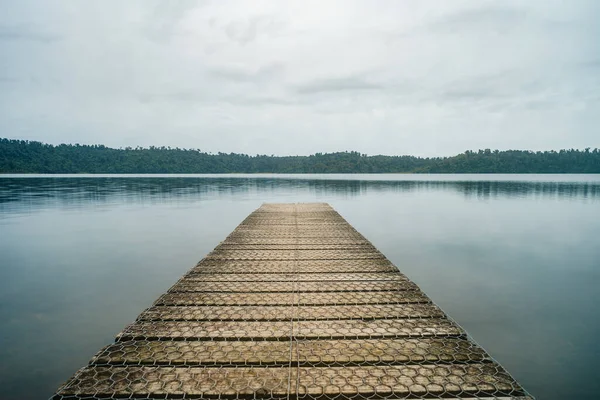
(514, 259)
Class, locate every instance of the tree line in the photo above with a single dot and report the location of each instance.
(23, 156)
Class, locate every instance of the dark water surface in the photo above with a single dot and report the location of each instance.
(515, 259)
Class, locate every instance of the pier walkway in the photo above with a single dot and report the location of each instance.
(295, 303)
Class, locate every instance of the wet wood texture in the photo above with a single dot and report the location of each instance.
(294, 304)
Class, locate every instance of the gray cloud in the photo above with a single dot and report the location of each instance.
(427, 78)
(26, 33)
(246, 30)
(590, 64)
(337, 84)
(7, 79)
(198, 98)
(489, 87)
(496, 18)
(240, 74)
(164, 16)
(259, 101)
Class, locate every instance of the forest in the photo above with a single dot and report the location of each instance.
(23, 156)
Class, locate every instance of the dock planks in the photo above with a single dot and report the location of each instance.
(294, 304)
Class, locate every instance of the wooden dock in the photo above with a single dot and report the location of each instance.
(295, 303)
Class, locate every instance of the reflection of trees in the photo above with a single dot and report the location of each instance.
(530, 189)
(135, 190)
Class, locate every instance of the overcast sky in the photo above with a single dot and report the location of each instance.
(281, 77)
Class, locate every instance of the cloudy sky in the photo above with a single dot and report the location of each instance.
(284, 77)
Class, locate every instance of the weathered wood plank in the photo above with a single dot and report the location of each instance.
(292, 266)
(249, 240)
(228, 246)
(368, 311)
(194, 353)
(347, 254)
(407, 380)
(152, 382)
(274, 382)
(190, 285)
(285, 313)
(358, 298)
(207, 330)
(291, 277)
(377, 328)
(282, 330)
(218, 313)
(226, 299)
(387, 351)
(305, 352)
(290, 298)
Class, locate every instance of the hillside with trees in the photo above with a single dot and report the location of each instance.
(21, 156)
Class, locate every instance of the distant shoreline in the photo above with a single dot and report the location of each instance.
(30, 157)
(268, 174)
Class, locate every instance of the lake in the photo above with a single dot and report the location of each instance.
(515, 259)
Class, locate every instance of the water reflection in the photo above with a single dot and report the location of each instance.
(30, 193)
(514, 259)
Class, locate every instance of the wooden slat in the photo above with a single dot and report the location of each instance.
(407, 380)
(387, 351)
(290, 298)
(218, 313)
(285, 313)
(211, 330)
(366, 329)
(346, 254)
(293, 266)
(156, 382)
(194, 353)
(190, 285)
(297, 277)
(307, 352)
